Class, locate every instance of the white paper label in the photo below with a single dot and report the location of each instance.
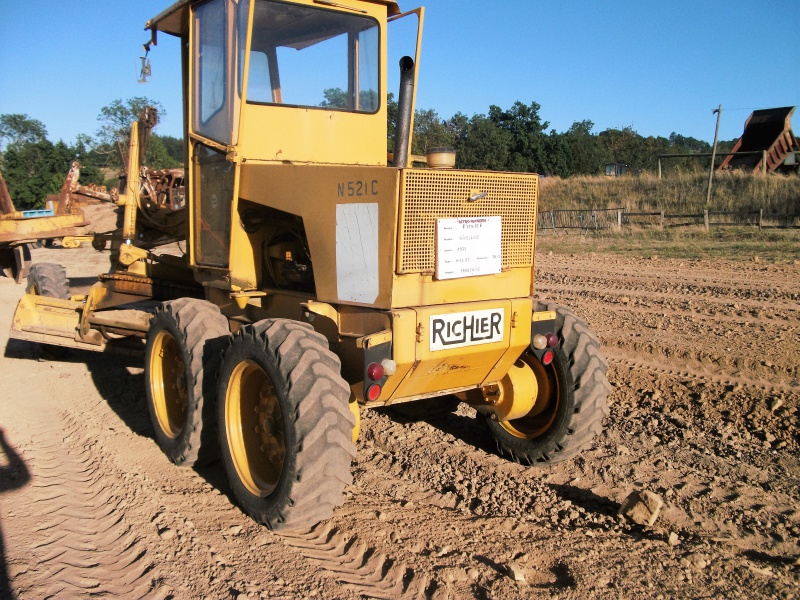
(457, 330)
(357, 252)
(468, 247)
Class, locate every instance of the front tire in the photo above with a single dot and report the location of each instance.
(48, 279)
(571, 401)
(285, 428)
(182, 356)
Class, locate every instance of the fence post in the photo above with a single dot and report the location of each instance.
(763, 162)
(760, 218)
(661, 223)
(659, 168)
(619, 219)
(705, 219)
(553, 220)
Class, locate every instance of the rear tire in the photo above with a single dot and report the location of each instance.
(182, 356)
(574, 387)
(285, 428)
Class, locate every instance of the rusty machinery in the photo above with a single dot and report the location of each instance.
(21, 228)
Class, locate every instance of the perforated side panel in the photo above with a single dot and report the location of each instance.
(429, 195)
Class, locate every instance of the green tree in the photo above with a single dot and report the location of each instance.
(391, 121)
(339, 98)
(586, 155)
(623, 146)
(556, 155)
(480, 143)
(158, 157)
(174, 147)
(83, 152)
(35, 170)
(687, 144)
(19, 129)
(429, 132)
(116, 118)
(527, 153)
(726, 145)
(679, 144)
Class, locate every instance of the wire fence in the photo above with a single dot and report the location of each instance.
(618, 218)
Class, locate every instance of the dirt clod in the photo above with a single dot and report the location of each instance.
(642, 507)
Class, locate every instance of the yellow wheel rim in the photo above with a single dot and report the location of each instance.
(255, 430)
(541, 417)
(168, 384)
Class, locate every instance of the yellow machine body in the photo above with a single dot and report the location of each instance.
(293, 210)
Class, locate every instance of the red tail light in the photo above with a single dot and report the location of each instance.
(373, 392)
(375, 371)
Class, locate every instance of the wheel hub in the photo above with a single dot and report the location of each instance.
(255, 430)
(168, 381)
(542, 414)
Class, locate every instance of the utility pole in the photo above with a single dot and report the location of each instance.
(718, 111)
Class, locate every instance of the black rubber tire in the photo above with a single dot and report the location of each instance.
(429, 409)
(48, 279)
(578, 406)
(182, 357)
(290, 470)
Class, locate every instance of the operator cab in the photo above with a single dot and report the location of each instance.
(301, 82)
(274, 82)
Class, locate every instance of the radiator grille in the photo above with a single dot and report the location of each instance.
(429, 195)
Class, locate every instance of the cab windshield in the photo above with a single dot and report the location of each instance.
(313, 57)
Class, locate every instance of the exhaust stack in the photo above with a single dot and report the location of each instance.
(405, 102)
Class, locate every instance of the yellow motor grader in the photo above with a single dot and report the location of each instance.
(321, 275)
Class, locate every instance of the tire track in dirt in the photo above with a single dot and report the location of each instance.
(362, 567)
(780, 309)
(622, 310)
(359, 557)
(82, 547)
(699, 362)
(717, 324)
(729, 288)
(221, 552)
(658, 368)
(680, 277)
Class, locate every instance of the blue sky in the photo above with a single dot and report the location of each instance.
(657, 66)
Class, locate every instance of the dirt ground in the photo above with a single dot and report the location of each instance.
(704, 412)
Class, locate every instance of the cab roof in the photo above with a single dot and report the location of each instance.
(175, 19)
